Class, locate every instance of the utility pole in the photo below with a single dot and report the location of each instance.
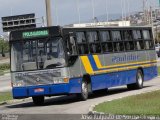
(144, 11)
(48, 12)
(151, 16)
(78, 10)
(93, 12)
(107, 11)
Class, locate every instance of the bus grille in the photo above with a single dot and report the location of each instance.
(38, 79)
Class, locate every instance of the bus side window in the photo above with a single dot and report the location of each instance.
(107, 47)
(137, 34)
(138, 38)
(81, 43)
(106, 43)
(147, 46)
(146, 35)
(128, 41)
(94, 43)
(116, 36)
(139, 45)
(127, 35)
(71, 45)
(118, 46)
(151, 44)
(147, 39)
(105, 36)
(129, 45)
(117, 41)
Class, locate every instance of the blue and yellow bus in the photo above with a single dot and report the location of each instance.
(56, 60)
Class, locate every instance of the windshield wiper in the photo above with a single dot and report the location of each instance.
(54, 65)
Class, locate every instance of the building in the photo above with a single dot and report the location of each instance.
(101, 24)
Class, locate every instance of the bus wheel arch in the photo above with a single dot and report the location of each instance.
(85, 87)
(141, 69)
(87, 78)
(139, 80)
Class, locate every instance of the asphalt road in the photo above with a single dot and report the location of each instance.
(5, 83)
(3, 61)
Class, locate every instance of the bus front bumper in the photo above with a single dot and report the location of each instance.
(47, 90)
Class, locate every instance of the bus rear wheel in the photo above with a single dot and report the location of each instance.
(84, 91)
(139, 81)
(38, 100)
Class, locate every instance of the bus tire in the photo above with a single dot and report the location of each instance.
(84, 91)
(139, 81)
(38, 100)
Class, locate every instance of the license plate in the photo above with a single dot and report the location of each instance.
(38, 90)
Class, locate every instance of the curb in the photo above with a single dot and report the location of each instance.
(91, 108)
(3, 103)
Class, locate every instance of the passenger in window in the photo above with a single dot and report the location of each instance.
(105, 47)
(93, 48)
(81, 49)
(142, 45)
(117, 47)
(147, 45)
(128, 46)
(137, 34)
(151, 45)
(132, 46)
(127, 35)
(98, 48)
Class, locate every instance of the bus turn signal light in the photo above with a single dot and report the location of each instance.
(66, 80)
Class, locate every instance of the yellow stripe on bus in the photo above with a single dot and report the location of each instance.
(99, 65)
(87, 64)
(88, 67)
(122, 69)
(97, 61)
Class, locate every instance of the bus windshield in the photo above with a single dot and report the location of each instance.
(37, 54)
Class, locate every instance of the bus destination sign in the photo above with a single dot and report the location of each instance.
(33, 34)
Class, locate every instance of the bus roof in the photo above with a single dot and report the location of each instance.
(110, 27)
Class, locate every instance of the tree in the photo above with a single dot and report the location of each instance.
(4, 47)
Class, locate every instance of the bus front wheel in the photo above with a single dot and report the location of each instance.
(38, 100)
(139, 81)
(84, 91)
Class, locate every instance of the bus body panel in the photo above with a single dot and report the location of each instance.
(98, 82)
(113, 79)
(74, 86)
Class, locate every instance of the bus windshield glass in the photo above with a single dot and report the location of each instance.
(37, 54)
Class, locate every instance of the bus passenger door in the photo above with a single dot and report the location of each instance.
(74, 62)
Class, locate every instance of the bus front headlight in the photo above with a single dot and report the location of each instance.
(61, 80)
(18, 83)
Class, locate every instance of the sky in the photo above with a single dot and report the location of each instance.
(66, 12)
